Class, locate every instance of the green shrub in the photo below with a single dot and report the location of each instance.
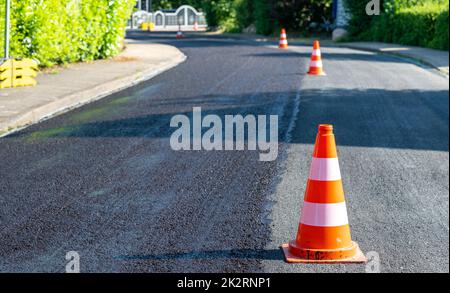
(267, 15)
(359, 22)
(244, 13)
(440, 40)
(297, 15)
(57, 32)
(218, 12)
(263, 20)
(409, 22)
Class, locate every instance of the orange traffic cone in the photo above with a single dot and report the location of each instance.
(196, 26)
(324, 233)
(316, 66)
(283, 40)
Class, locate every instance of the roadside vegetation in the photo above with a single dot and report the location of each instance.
(260, 16)
(409, 22)
(58, 32)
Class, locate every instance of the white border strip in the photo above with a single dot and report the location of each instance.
(316, 64)
(324, 215)
(325, 169)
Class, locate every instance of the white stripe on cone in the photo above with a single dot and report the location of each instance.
(283, 42)
(283, 36)
(325, 169)
(324, 215)
(316, 64)
(316, 52)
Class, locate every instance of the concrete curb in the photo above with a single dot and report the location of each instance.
(84, 97)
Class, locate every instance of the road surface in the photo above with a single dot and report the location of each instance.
(103, 180)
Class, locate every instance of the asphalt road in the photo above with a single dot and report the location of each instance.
(102, 180)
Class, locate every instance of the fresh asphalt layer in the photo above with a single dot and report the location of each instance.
(103, 180)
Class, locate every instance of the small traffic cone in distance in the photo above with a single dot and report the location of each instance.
(316, 65)
(180, 34)
(196, 26)
(283, 40)
(324, 232)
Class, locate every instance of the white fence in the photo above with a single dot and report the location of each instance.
(186, 17)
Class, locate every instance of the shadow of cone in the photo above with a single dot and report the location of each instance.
(324, 232)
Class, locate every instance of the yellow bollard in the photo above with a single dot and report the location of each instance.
(18, 73)
(6, 74)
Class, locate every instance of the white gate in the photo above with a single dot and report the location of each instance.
(186, 17)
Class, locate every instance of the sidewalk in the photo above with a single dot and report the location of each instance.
(433, 58)
(66, 88)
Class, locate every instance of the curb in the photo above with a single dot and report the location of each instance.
(76, 100)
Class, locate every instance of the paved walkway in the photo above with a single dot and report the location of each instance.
(434, 58)
(65, 88)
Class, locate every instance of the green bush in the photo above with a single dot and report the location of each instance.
(359, 22)
(57, 32)
(440, 40)
(218, 12)
(268, 16)
(297, 15)
(409, 22)
(244, 13)
(263, 20)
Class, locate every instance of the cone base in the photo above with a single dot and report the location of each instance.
(319, 74)
(349, 255)
(283, 47)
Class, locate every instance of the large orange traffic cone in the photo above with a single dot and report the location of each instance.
(316, 66)
(283, 40)
(324, 233)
